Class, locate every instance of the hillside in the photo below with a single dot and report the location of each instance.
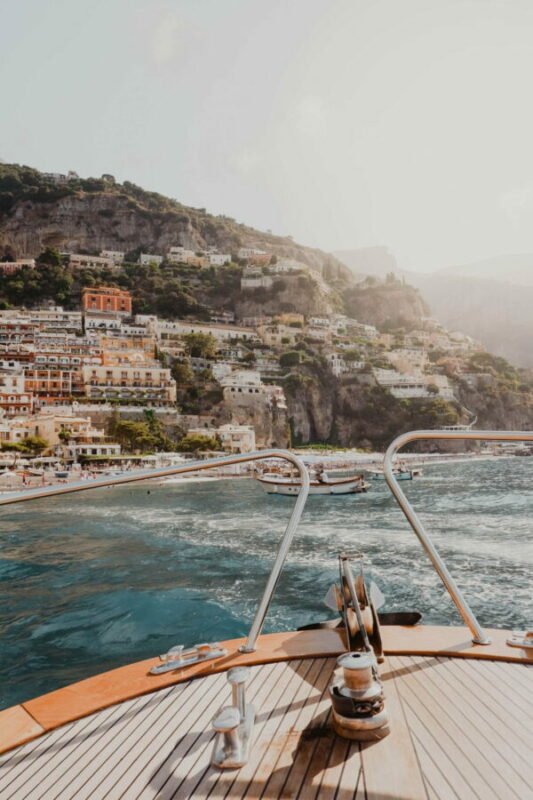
(89, 215)
(496, 313)
(490, 300)
(46, 220)
(389, 304)
(516, 269)
(376, 261)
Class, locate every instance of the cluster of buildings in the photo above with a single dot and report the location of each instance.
(59, 369)
(56, 366)
(413, 359)
(53, 361)
(175, 255)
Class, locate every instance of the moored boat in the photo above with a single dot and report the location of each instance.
(400, 473)
(284, 485)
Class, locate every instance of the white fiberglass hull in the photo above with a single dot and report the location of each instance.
(406, 475)
(293, 487)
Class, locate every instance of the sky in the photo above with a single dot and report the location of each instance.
(344, 123)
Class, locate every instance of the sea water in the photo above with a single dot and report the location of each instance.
(95, 580)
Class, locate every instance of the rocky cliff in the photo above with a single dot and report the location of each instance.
(96, 214)
(390, 304)
(354, 412)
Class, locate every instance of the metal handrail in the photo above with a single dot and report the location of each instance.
(478, 634)
(197, 466)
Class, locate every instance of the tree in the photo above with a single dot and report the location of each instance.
(12, 447)
(200, 345)
(34, 444)
(197, 442)
(131, 435)
(352, 355)
(433, 389)
(161, 440)
(290, 359)
(50, 257)
(182, 373)
(65, 435)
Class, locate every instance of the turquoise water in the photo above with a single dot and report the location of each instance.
(95, 580)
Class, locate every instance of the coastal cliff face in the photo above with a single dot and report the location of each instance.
(392, 305)
(356, 412)
(296, 293)
(499, 410)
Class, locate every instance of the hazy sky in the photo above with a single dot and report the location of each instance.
(346, 123)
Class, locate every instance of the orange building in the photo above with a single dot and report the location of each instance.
(106, 299)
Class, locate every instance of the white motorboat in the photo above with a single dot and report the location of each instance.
(278, 484)
(401, 474)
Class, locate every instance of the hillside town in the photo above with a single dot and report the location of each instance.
(69, 379)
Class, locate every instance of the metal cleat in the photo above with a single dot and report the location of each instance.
(523, 639)
(178, 657)
(234, 725)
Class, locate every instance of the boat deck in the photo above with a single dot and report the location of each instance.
(460, 728)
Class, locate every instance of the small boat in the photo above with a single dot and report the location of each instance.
(401, 474)
(320, 484)
(62, 473)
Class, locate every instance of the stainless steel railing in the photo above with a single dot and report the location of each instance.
(478, 634)
(199, 466)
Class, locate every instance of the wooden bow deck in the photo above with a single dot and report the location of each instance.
(461, 728)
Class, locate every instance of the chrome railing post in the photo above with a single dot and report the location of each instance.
(478, 634)
(199, 466)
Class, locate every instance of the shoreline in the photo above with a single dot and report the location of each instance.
(353, 460)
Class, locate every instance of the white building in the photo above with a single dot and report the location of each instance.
(116, 256)
(285, 265)
(319, 333)
(319, 322)
(14, 397)
(252, 253)
(104, 449)
(150, 258)
(179, 255)
(234, 438)
(247, 384)
(412, 387)
(259, 282)
(144, 382)
(222, 333)
(276, 334)
(219, 259)
(340, 367)
(55, 317)
(247, 380)
(103, 322)
(80, 261)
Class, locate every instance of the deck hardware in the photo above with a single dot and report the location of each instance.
(178, 657)
(357, 698)
(361, 619)
(523, 639)
(234, 724)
